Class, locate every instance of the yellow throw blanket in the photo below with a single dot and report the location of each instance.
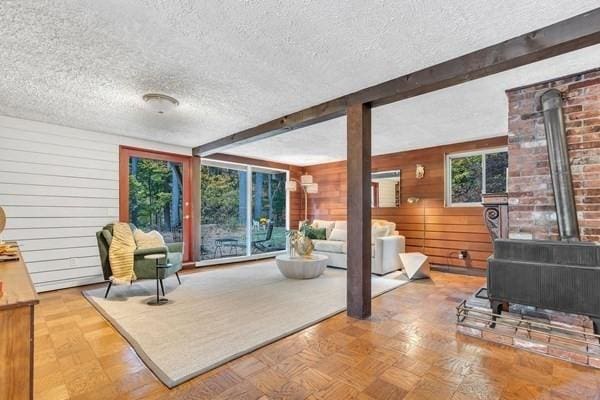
(120, 254)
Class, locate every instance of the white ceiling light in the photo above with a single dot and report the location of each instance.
(160, 103)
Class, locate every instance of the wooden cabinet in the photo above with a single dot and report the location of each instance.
(16, 331)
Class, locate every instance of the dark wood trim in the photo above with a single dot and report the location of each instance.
(359, 211)
(196, 207)
(125, 152)
(562, 37)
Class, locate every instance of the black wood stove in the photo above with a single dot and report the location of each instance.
(556, 275)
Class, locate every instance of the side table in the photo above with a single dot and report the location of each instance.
(159, 300)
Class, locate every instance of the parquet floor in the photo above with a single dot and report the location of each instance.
(407, 350)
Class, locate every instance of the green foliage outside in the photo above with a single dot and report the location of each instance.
(466, 179)
(272, 195)
(495, 172)
(219, 189)
(150, 194)
(467, 176)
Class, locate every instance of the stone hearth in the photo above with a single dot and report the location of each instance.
(550, 333)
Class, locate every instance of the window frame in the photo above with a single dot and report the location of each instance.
(125, 153)
(448, 172)
(249, 169)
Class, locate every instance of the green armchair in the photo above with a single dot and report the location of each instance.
(144, 269)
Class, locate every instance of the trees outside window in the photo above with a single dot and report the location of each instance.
(469, 175)
(243, 210)
(155, 196)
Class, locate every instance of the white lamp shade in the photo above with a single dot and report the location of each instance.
(312, 188)
(290, 186)
(306, 179)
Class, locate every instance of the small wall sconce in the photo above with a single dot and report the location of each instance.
(420, 173)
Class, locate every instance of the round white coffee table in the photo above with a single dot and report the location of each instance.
(297, 267)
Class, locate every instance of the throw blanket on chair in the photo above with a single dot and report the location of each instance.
(120, 254)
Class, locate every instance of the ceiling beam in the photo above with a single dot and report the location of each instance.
(562, 37)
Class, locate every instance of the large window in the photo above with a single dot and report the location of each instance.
(243, 210)
(469, 175)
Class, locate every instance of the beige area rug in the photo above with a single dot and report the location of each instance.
(219, 315)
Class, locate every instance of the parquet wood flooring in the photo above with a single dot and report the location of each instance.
(409, 349)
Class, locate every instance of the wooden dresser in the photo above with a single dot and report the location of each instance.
(16, 331)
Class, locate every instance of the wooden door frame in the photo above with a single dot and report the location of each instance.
(125, 152)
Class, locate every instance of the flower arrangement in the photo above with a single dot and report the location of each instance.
(299, 243)
(263, 221)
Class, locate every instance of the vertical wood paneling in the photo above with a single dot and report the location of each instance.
(429, 227)
(58, 186)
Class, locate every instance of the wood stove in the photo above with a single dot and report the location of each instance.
(556, 275)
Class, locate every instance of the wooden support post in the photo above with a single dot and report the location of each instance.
(359, 211)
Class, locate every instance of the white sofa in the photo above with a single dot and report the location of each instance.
(386, 245)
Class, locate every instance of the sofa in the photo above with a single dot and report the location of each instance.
(144, 269)
(386, 245)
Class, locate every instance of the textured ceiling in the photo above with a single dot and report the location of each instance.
(233, 64)
(473, 110)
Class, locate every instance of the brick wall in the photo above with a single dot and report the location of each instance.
(532, 210)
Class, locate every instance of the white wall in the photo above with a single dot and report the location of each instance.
(58, 186)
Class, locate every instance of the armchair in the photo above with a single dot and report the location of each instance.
(144, 269)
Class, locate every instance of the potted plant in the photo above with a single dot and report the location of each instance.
(298, 244)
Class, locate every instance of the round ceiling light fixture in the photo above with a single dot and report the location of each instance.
(160, 103)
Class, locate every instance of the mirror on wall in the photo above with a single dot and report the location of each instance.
(385, 189)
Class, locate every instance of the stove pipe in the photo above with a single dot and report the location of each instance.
(560, 169)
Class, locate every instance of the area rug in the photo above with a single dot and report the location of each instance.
(219, 315)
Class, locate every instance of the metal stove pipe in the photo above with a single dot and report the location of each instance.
(560, 169)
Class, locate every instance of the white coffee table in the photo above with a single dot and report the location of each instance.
(416, 265)
(301, 267)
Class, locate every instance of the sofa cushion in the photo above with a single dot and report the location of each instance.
(328, 225)
(389, 226)
(343, 225)
(378, 231)
(312, 232)
(330, 246)
(339, 235)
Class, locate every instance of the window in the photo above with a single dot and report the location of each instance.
(244, 210)
(469, 175)
(154, 194)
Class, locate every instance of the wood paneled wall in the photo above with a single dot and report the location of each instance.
(429, 227)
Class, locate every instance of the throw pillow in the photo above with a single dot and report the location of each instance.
(148, 240)
(339, 235)
(313, 233)
(390, 226)
(328, 225)
(378, 231)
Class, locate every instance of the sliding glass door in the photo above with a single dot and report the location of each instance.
(269, 211)
(223, 212)
(243, 210)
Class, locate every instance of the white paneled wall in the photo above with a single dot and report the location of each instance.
(58, 186)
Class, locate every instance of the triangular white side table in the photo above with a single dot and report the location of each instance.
(416, 265)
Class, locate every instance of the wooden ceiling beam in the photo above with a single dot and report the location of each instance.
(562, 37)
